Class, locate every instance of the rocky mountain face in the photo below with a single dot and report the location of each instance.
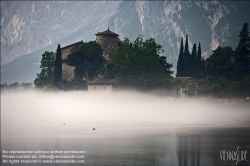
(29, 28)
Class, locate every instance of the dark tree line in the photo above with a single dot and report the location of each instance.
(231, 64)
(228, 70)
(139, 65)
(16, 85)
(190, 64)
(51, 70)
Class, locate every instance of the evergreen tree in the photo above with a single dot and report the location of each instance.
(203, 71)
(242, 54)
(187, 59)
(193, 61)
(198, 62)
(181, 63)
(58, 68)
(220, 63)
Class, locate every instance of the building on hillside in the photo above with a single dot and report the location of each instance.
(109, 42)
(68, 71)
(101, 85)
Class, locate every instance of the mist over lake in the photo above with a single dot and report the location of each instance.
(125, 127)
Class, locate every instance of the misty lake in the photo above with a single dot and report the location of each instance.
(126, 128)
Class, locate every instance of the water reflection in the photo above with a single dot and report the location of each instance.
(185, 147)
(204, 148)
(188, 150)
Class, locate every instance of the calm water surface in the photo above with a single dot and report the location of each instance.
(167, 146)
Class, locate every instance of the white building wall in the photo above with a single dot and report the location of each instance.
(99, 87)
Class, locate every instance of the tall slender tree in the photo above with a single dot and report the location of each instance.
(181, 62)
(58, 68)
(242, 54)
(198, 62)
(193, 61)
(187, 58)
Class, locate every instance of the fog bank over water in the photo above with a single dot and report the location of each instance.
(122, 113)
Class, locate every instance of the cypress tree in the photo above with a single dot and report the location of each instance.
(187, 59)
(58, 68)
(193, 61)
(181, 62)
(198, 62)
(242, 54)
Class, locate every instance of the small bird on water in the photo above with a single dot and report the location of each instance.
(93, 128)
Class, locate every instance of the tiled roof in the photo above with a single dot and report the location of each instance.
(80, 42)
(107, 32)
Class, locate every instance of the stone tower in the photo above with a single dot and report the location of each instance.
(109, 42)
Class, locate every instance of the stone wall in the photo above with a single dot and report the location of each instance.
(109, 45)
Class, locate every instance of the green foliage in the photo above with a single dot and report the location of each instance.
(47, 69)
(16, 85)
(140, 65)
(222, 87)
(226, 73)
(242, 54)
(167, 66)
(88, 61)
(246, 85)
(58, 68)
(4, 86)
(75, 85)
(220, 63)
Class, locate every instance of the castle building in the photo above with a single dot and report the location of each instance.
(109, 42)
(68, 71)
